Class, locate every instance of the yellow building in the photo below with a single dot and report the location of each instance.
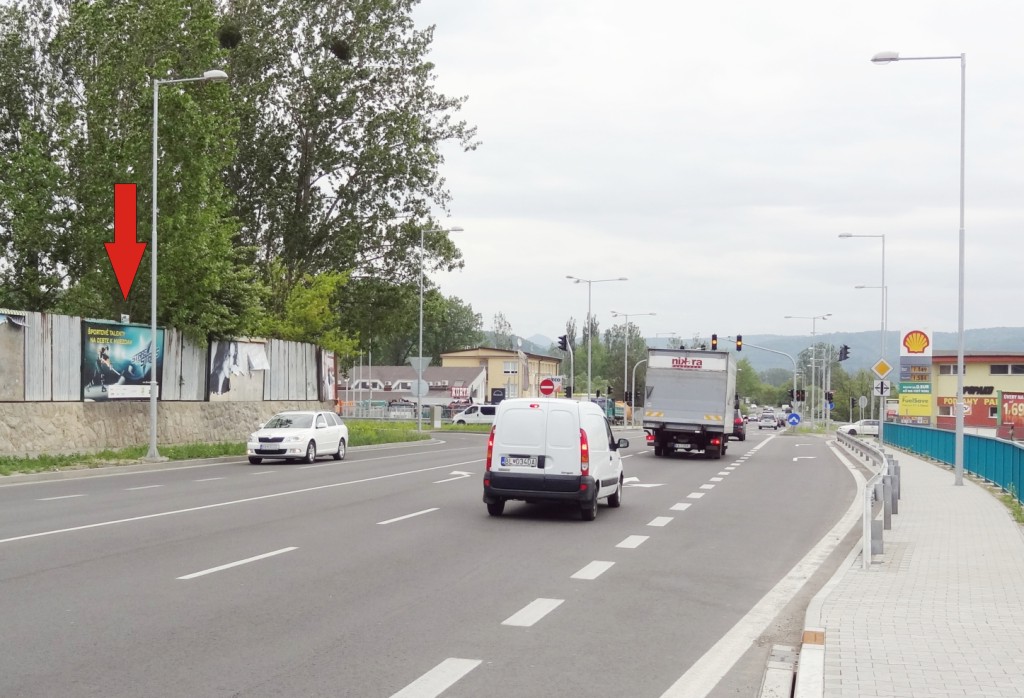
(510, 373)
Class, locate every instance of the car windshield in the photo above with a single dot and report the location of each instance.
(290, 421)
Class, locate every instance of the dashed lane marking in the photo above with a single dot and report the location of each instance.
(532, 612)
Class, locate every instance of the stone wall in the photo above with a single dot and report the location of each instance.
(55, 428)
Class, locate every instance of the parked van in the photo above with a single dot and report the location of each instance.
(476, 414)
(543, 449)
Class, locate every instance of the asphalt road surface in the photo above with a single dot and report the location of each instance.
(383, 575)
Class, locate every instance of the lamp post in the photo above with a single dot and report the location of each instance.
(208, 76)
(632, 414)
(884, 58)
(885, 310)
(419, 358)
(813, 319)
(625, 356)
(590, 340)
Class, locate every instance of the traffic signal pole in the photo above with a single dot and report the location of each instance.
(740, 343)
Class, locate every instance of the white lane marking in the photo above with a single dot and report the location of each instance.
(594, 570)
(707, 487)
(50, 499)
(318, 465)
(692, 495)
(646, 484)
(660, 521)
(264, 472)
(715, 479)
(702, 677)
(459, 475)
(723, 472)
(632, 541)
(407, 516)
(804, 458)
(439, 679)
(730, 467)
(144, 487)
(225, 504)
(681, 506)
(532, 612)
(236, 564)
(627, 480)
(210, 479)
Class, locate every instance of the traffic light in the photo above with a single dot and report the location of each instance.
(829, 396)
(739, 342)
(568, 391)
(563, 342)
(801, 395)
(609, 393)
(844, 353)
(792, 394)
(714, 342)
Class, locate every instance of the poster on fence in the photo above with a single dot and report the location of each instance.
(236, 370)
(116, 361)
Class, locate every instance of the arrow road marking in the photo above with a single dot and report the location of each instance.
(804, 458)
(459, 475)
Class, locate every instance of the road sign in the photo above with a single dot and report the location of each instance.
(420, 388)
(831, 406)
(547, 386)
(862, 401)
(881, 388)
(793, 419)
(881, 368)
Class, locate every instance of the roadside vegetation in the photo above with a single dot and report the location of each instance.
(360, 434)
(472, 428)
(1013, 503)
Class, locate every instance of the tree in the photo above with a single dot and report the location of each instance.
(341, 129)
(502, 332)
(450, 325)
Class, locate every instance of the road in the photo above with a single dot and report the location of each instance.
(383, 575)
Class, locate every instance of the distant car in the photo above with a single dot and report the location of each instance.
(476, 414)
(768, 421)
(865, 427)
(299, 435)
(739, 427)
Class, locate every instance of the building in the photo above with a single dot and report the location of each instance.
(993, 389)
(509, 373)
(395, 383)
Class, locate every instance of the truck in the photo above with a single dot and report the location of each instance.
(690, 401)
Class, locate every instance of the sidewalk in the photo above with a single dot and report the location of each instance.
(940, 612)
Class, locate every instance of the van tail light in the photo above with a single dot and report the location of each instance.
(584, 454)
(490, 449)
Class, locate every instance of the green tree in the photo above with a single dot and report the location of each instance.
(501, 331)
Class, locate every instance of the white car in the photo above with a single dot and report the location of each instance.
(768, 420)
(300, 435)
(865, 427)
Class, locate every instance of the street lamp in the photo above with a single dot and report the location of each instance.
(885, 319)
(208, 76)
(886, 57)
(625, 356)
(813, 319)
(419, 359)
(590, 340)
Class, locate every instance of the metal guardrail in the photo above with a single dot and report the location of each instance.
(883, 486)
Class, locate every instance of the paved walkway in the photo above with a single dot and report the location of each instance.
(941, 611)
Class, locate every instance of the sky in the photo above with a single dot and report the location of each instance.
(713, 152)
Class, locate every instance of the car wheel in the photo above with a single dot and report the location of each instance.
(340, 455)
(852, 432)
(310, 453)
(743, 438)
(460, 422)
(496, 508)
(658, 450)
(588, 512)
(615, 500)
(254, 460)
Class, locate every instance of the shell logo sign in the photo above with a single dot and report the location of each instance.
(916, 343)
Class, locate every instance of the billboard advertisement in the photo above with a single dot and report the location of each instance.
(1011, 410)
(236, 370)
(116, 362)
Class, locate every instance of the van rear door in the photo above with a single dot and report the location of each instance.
(537, 444)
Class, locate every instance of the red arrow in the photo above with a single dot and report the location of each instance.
(125, 251)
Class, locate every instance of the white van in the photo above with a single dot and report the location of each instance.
(552, 449)
(476, 414)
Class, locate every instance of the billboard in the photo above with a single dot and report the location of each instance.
(116, 362)
(236, 370)
(1011, 410)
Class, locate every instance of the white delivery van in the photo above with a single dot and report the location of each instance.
(544, 449)
(476, 414)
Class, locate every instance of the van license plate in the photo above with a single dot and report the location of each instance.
(521, 461)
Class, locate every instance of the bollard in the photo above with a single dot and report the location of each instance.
(899, 488)
(887, 501)
(876, 537)
(878, 491)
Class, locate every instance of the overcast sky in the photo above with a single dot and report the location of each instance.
(712, 152)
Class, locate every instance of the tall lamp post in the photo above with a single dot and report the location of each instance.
(885, 321)
(625, 356)
(590, 340)
(884, 58)
(208, 76)
(813, 319)
(885, 308)
(419, 358)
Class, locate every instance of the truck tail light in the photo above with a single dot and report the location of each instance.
(490, 449)
(716, 441)
(650, 438)
(584, 453)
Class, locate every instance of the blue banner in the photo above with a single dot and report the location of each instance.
(117, 360)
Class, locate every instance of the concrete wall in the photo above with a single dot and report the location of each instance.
(55, 428)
